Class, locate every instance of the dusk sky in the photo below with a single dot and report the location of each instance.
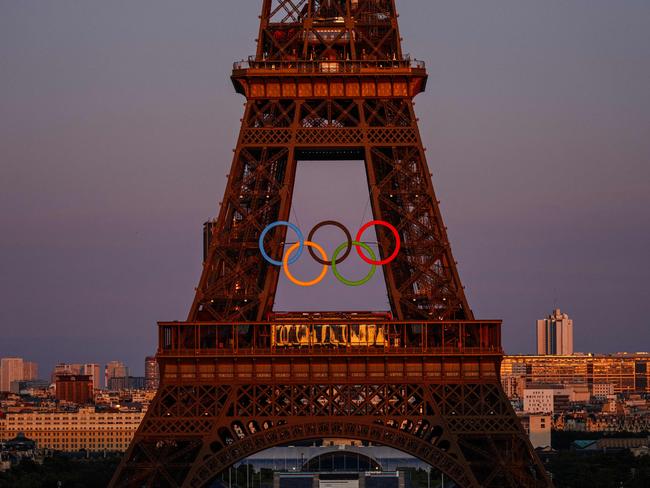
(118, 119)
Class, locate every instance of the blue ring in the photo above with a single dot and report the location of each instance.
(293, 227)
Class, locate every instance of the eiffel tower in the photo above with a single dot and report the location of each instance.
(329, 81)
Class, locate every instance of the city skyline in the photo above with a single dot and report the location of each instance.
(17, 369)
(101, 134)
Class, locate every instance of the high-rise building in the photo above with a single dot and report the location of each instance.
(94, 371)
(115, 369)
(74, 388)
(30, 371)
(11, 369)
(91, 369)
(151, 373)
(555, 334)
(66, 368)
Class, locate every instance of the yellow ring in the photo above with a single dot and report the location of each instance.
(285, 264)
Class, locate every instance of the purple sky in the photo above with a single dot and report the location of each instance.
(117, 121)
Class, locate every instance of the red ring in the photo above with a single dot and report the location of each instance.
(390, 258)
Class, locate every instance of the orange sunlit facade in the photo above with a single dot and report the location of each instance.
(628, 373)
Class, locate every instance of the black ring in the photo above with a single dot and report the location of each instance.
(333, 223)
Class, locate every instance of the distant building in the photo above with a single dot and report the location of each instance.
(395, 479)
(90, 369)
(30, 370)
(66, 368)
(578, 392)
(11, 369)
(538, 428)
(514, 381)
(601, 391)
(637, 445)
(24, 386)
(539, 400)
(555, 334)
(627, 372)
(127, 383)
(16, 450)
(73, 431)
(115, 369)
(74, 388)
(151, 373)
(546, 399)
(95, 372)
(340, 467)
(297, 458)
(514, 385)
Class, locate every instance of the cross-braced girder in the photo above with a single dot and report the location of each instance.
(464, 430)
(294, 30)
(237, 282)
(329, 81)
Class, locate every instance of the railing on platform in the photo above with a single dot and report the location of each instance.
(328, 66)
(330, 337)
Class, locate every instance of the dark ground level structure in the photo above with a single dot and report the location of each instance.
(340, 480)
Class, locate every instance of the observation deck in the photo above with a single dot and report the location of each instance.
(348, 350)
(329, 78)
(329, 338)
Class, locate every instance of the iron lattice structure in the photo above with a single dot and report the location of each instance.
(329, 81)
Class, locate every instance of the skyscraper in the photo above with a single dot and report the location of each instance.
(66, 368)
(30, 371)
(91, 369)
(11, 369)
(94, 371)
(555, 334)
(115, 369)
(151, 373)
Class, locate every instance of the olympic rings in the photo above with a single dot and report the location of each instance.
(390, 258)
(362, 281)
(295, 251)
(285, 265)
(345, 230)
(293, 227)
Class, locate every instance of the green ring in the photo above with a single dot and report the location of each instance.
(348, 282)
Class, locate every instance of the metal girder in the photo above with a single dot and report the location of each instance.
(329, 81)
(237, 283)
(466, 431)
(319, 29)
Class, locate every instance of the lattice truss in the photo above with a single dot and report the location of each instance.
(237, 283)
(214, 427)
(196, 427)
(424, 272)
(234, 274)
(329, 29)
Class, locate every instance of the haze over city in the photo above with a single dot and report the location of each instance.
(117, 121)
